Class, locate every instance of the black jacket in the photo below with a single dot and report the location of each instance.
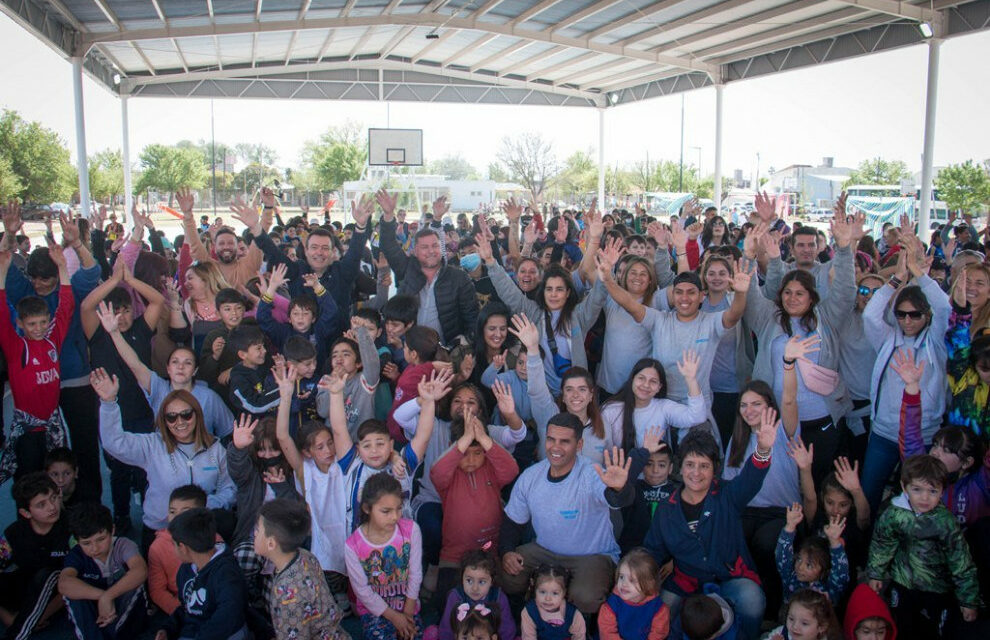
(212, 601)
(457, 302)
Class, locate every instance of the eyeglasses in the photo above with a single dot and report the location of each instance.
(172, 418)
(914, 315)
(866, 291)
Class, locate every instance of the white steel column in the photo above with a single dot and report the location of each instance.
(718, 146)
(931, 101)
(81, 161)
(125, 153)
(601, 160)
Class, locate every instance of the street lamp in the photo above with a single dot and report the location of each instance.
(699, 162)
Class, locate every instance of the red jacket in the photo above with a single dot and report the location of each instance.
(865, 603)
(472, 502)
(406, 388)
(33, 365)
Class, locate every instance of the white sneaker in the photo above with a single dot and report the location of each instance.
(343, 603)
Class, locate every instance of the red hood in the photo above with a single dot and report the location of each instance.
(865, 603)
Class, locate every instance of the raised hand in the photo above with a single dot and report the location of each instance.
(765, 208)
(839, 210)
(770, 244)
(332, 383)
(657, 231)
(246, 214)
(440, 208)
(653, 439)
(678, 236)
(798, 347)
(613, 250)
(277, 278)
(560, 233)
(689, 363)
(186, 200)
(435, 387)
(57, 254)
(484, 249)
(503, 397)
(285, 379)
(70, 229)
(833, 530)
(106, 386)
(616, 469)
(742, 277)
(387, 202)
(767, 433)
(107, 316)
(530, 234)
(802, 456)
(795, 514)
(593, 220)
(847, 474)
(910, 371)
(267, 198)
(244, 431)
(12, 221)
(959, 289)
(498, 361)
(527, 333)
(842, 231)
(273, 475)
(361, 209)
(512, 210)
(216, 349)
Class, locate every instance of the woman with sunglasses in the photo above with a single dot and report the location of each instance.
(922, 313)
(180, 452)
(798, 310)
(856, 357)
(715, 234)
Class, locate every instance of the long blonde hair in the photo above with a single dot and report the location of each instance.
(211, 275)
(981, 316)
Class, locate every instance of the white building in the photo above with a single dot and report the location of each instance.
(416, 190)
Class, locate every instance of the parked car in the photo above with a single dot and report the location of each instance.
(35, 211)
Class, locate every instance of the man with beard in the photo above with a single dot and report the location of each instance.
(321, 253)
(236, 270)
(447, 299)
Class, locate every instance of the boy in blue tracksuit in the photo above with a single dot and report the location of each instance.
(213, 596)
(251, 388)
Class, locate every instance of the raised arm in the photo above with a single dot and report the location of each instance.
(594, 230)
(397, 258)
(87, 308)
(430, 391)
(285, 379)
(740, 284)
(334, 385)
(108, 318)
(513, 212)
(634, 307)
(155, 301)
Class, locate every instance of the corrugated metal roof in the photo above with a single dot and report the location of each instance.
(503, 51)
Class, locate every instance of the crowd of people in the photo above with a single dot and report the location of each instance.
(557, 424)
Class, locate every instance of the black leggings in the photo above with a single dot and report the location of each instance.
(761, 527)
(829, 444)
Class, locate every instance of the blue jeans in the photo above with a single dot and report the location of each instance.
(429, 517)
(882, 456)
(747, 600)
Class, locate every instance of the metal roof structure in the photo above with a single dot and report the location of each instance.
(594, 53)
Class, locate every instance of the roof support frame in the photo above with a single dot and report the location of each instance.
(587, 12)
(703, 14)
(433, 20)
(906, 10)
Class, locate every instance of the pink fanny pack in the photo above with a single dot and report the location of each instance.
(818, 379)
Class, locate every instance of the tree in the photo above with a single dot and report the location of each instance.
(497, 173)
(579, 175)
(879, 171)
(530, 159)
(644, 175)
(10, 183)
(37, 156)
(337, 156)
(455, 167)
(964, 186)
(106, 175)
(168, 169)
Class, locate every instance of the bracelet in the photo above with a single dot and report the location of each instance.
(266, 298)
(267, 207)
(761, 457)
(320, 291)
(894, 281)
(788, 367)
(791, 361)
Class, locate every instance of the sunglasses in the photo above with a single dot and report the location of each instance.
(914, 315)
(172, 418)
(864, 290)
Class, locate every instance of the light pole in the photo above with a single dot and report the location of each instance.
(699, 163)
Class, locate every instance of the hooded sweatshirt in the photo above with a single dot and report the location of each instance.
(865, 603)
(166, 471)
(213, 601)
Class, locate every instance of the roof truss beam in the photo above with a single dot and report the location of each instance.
(129, 84)
(904, 10)
(756, 18)
(417, 20)
(543, 55)
(639, 14)
(587, 12)
(534, 11)
(704, 14)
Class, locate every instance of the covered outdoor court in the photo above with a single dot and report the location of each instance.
(588, 53)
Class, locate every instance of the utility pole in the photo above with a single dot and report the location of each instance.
(680, 177)
(213, 158)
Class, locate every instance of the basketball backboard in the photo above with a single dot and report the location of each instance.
(395, 147)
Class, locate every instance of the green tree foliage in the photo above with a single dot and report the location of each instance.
(167, 169)
(579, 175)
(497, 173)
(964, 186)
(254, 176)
(339, 155)
(106, 175)
(455, 167)
(38, 158)
(10, 182)
(879, 171)
(530, 160)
